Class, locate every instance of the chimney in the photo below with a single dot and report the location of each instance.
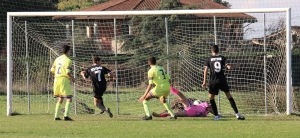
(88, 34)
(95, 31)
(130, 29)
(67, 31)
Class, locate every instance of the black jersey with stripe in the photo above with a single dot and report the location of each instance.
(97, 75)
(216, 64)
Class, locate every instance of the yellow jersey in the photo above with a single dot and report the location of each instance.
(61, 66)
(158, 76)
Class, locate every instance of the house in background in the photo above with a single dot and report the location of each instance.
(276, 41)
(229, 29)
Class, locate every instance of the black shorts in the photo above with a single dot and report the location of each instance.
(216, 86)
(98, 92)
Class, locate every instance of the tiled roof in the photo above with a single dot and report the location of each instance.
(129, 5)
(124, 5)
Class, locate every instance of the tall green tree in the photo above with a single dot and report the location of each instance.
(73, 5)
(20, 6)
(149, 36)
(225, 3)
(24, 5)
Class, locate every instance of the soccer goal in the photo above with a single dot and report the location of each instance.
(180, 39)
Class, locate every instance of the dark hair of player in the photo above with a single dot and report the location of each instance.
(152, 61)
(215, 49)
(65, 49)
(96, 59)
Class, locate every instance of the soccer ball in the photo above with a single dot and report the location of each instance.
(197, 102)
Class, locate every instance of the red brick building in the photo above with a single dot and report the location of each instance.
(104, 34)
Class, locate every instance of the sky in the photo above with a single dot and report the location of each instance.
(270, 17)
(294, 4)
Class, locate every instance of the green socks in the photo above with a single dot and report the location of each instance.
(67, 108)
(146, 107)
(168, 107)
(56, 110)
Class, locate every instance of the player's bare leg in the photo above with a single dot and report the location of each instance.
(183, 99)
(233, 105)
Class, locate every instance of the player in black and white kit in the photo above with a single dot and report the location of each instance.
(97, 74)
(217, 64)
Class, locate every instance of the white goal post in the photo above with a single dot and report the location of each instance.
(10, 16)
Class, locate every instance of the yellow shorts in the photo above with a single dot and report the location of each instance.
(62, 87)
(161, 91)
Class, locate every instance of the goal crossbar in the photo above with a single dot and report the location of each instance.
(152, 12)
(147, 12)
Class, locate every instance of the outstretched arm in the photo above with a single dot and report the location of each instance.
(71, 77)
(232, 66)
(82, 74)
(52, 70)
(151, 83)
(111, 74)
(145, 94)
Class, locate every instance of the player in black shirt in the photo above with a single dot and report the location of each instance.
(97, 74)
(217, 64)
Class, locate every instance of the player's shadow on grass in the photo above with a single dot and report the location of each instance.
(295, 114)
(2, 93)
(106, 92)
(16, 114)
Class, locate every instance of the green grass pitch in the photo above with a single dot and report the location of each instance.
(131, 127)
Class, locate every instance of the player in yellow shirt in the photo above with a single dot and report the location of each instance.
(61, 69)
(157, 76)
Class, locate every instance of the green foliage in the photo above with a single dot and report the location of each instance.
(149, 38)
(224, 3)
(20, 5)
(169, 5)
(73, 5)
(2, 35)
(24, 5)
(100, 1)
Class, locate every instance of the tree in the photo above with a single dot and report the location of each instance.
(148, 38)
(24, 5)
(20, 5)
(73, 5)
(149, 31)
(276, 26)
(225, 3)
(100, 1)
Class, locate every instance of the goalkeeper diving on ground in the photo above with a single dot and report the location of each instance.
(196, 108)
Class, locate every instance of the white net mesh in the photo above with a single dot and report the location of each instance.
(189, 40)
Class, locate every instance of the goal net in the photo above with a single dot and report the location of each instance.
(124, 40)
